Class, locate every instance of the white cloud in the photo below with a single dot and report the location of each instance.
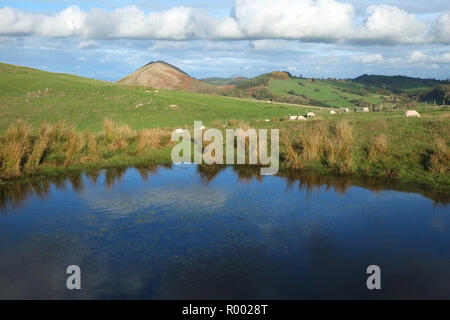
(294, 19)
(368, 58)
(325, 21)
(421, 57)
(391, 24)
(441, 28)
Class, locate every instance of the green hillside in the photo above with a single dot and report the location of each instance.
(224, 81)
(325, 92)
(37, 96)
(397, 83)
(366, 90)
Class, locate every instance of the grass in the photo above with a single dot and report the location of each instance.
(63, 128)
(37, 96)
(329, 93)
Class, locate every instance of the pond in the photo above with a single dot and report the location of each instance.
(190, 232)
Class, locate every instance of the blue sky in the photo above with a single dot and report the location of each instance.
(314, 38)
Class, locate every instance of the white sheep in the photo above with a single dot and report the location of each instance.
(267, 120)
(333, 112)
(346, 110)
(301, 118)
(412, 114)
(365, 109)
(292, 118)
(310, 115)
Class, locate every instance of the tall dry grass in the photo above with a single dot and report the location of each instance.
(440, 158)
(92, 148)
(60, 144)
(338, 148)
(16, 144)
(321, 142)
(378, 148)
(74, 147)
(149, 138)
(117, 135)
(39, 148)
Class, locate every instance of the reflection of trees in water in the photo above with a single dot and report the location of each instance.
(146, 170)
(76, 181)
(310, 181)
(13, 194)
(113, 176)
(247, 173)
(208, 173)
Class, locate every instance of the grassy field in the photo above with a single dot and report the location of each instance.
(377, 144)
(36, 96)
(330, 93)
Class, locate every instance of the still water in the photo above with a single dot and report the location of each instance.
(191, 232)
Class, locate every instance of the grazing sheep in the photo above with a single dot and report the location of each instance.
(310, 115)
(412, 114)
(267, 120)
(292, 118)
(333, 112)
(156, 91)
(365, 109)
(346, 110)
(301, 118)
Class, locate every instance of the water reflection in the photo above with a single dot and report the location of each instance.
(219, 232)
(13, 194)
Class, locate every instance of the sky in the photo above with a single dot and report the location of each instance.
(107, 40)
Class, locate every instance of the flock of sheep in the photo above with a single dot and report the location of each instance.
(408, 114)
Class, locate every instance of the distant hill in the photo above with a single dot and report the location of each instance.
(162, 75)
(224, 81)
(398, 83)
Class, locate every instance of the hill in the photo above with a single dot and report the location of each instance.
(36, 96)
(224, 81)
(397, 84)
(162, 75)
(366, 90)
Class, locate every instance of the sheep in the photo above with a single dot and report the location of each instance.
(412, 114)
(346, 110)
(267, 120)
(292, 118)
(310, 115)
(365, 109)
(333, 112)
(301, 118)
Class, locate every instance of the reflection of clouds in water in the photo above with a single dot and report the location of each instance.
(120, 203)
(37, 270)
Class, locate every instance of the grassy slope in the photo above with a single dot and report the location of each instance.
(328, 92)
(86, 103)
(404, 84)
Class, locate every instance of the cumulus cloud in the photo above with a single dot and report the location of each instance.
(294, 19)
(421, 57)
(326, 21)
(391, 24)
(441, 29)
